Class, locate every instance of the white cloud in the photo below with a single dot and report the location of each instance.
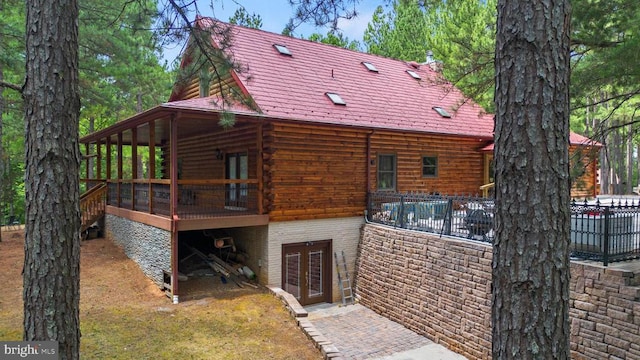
(354, 28)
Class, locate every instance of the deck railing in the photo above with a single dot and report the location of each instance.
(92, 204)
(196, 198)
(601, 232)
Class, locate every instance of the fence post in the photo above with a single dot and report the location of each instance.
(448, 217)
(605, 253)
(369, 206)
(401, 211)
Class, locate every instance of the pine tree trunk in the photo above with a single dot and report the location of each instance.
(617, 162)
(530, 313)
(52, 105)
(604, 170)
(629, 157)
(1, 144)
(92, 124)
(637, 183)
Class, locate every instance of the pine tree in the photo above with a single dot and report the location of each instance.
(243, 18)
(336, 38)
(531, 269)
(400, 34)
(52, 107)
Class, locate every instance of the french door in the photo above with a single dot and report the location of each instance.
(306, 271)
(237, 168)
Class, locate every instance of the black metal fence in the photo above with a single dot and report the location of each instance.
(607, 231)
(469, 217)
(603, 232)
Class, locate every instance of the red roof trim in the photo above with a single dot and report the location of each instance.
(574, 139)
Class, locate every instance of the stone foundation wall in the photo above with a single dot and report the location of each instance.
(148, 246)
(441, 288)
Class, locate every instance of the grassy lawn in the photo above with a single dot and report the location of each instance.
(125, 316)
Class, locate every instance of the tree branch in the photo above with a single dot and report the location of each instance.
(11, 86)
(595, 44)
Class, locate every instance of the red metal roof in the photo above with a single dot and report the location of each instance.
(211, 103)
(577, 139)
(574, 139)
(294, 87)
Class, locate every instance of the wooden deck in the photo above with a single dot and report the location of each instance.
(201, 204)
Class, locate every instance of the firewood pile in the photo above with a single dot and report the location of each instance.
(228, 263)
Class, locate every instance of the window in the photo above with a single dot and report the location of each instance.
(282, 49)
(414, 74)
(369, 66)
(442, 112)
(237, 168)
(386, 172)
(336, 99)
(429, 166)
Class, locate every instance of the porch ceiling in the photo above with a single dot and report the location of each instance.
(190, 123)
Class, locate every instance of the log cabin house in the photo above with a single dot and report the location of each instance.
(316, 127)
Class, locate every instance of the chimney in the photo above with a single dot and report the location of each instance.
(429, 57)
(434, 64)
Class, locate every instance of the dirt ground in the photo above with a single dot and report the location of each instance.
(124, 315)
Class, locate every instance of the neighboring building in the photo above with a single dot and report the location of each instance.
(316, 128)
(583, 155)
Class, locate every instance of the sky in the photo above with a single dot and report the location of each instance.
(275, 15)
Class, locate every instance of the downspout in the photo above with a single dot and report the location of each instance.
(173, 189)
(595, 174)
(368, 176)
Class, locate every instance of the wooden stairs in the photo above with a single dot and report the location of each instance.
(92, 206)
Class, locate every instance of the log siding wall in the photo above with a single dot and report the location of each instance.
(585, 185)
(221, 85)
(314, 172)
(320, 171)
(197, 155)
(460, 162)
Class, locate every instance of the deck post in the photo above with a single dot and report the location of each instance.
(134, 165)
(174, 260)
(98, 160)
(152, 162)
(87, 163)
(173, 145)
(119, 184)
(108, 153)
(259, 169)
(173, 167)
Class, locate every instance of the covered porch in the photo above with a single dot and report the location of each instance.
(173, 169)
(177, 164)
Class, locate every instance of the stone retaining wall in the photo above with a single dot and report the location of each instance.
(148, 246)
(441, 288)
(605, 311)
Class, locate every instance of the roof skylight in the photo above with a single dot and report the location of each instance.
(442, 112)
(414, 74)
(335, 98)
(369, 66)
(282, 49)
